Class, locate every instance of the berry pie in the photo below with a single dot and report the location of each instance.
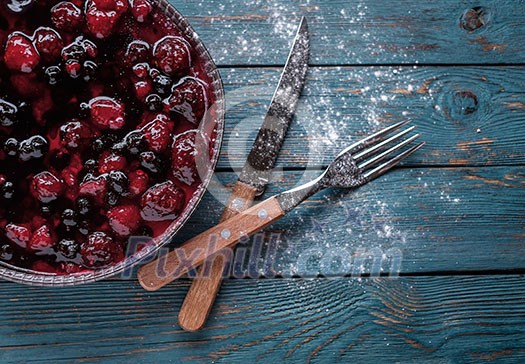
(101, 106)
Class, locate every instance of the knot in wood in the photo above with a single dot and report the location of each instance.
(474, 18)
(465, 102)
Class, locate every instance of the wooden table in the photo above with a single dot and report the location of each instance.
(431, 256)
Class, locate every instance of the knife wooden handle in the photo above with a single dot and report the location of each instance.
(196, 251)
(201, 296)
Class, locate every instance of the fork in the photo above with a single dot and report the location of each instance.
(353, 167)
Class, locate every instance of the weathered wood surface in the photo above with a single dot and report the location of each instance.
(438, 219)
(408, 320)
(467, 115)
(259, 32)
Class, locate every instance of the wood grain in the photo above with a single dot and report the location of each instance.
(364, 32)
(468, 116)
(465, 319)
(436, 220)
(194, 252)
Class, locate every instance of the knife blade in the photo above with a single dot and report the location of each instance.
(251, 183)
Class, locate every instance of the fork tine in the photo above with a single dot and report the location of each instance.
(378, 147)
(370, 175)
(372, 162)
(360, 145)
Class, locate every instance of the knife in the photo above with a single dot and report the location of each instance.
(252, 182)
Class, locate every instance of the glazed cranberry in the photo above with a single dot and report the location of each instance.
(118, 182)
(8, 113)
(172, 55)
(188, 99)
(20, 6)
(140, 9)
(68, 248)
(41, 240)
(7, 191)
(161, 202)
(73, 68)
(102, 16)
(74, 134)
(74, 51)
(90, 48)
(124, 219)
(151, 162)
(66, 16)
(158, 133)
(6, 252)
(11, 147)
(18, 234)
(107, 113)
(138, 182)
(46, 187)
(95, 187)
(142, 89)
(111, 162)
(183, 158)
(154, 102)
(138, 51)
(53, 75)
(32, 148)
(48, 43)
(20, 53)
(99, 250)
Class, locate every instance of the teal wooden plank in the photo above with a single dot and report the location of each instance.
(409, 221)
(435, 319)
(467, 115)
(362, 32)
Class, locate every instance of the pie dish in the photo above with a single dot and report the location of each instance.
(111, 122)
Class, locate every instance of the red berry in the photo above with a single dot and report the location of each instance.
(48, 43)
(188, 99)
(71, 268)
(42, 240)
(99, 250)
(20, 54)
(141, 70)
(142, 89)
(102, 16)
(140, 9)
(107, 113)
(138, 182)
(73, 68)
(95, 187)
(74, 134)
(161, 202)
(66, 16)
(124, 220)
(172, 55)
(111, 162)
(90, 47)
(158, 133)
(183, 158)
(46, 187)
(18, 234)
(138, 51)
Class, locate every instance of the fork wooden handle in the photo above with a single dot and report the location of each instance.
(196, 251)
(203, 290)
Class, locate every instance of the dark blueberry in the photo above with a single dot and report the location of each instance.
(84, 228)
(20, 6)
(11, 147)
(145, 231)
(84, 110)
(91, 166)
(118, 182)
(135, 143)
(151, 162)
(162, 84)
(32, 148)
(112, 198)
(60, 160)
(68, 248)
(89, 71)
(69, 217)
(154, 102)
(8, 190)
(6, 252)
(119, 148)
(8, 113)
(104, 142)
(46, 210)
(53, 74)
(83, 205)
